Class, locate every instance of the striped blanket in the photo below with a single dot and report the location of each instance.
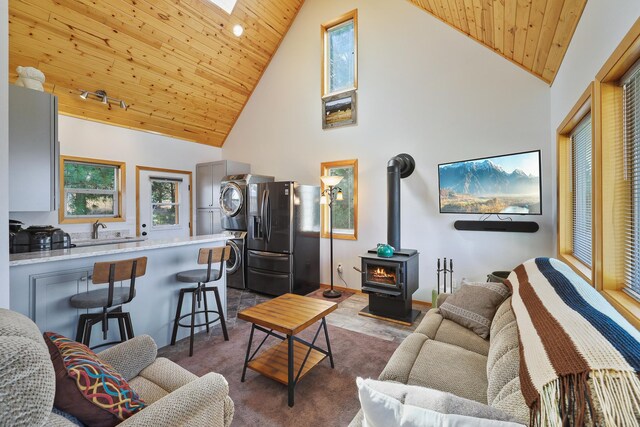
(579, 358)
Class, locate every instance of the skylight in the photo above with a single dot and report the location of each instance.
(226, 5)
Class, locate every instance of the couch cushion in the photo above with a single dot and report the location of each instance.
(452, 369)
(13, 324)
(430, 323)
(27, 379)
(88, 388)
(167, 374)
(438, 328)
(503, 365)
(474, 305)
(27, 382)
(402, 360)
(452, 333)
(147, 390)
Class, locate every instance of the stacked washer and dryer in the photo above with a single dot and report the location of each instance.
(233, 214)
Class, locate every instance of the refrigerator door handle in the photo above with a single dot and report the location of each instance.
(268, 221)
(261, 229)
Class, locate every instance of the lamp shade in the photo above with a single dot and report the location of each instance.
(323, 200)
(331, 180)
(339, 196)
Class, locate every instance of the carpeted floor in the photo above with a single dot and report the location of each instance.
(325, 397)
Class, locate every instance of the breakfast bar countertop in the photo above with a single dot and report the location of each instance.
(119, 248)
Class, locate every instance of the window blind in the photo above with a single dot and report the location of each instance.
(582, 191)
(631, 136)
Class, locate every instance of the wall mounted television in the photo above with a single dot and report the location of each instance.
(508, 184)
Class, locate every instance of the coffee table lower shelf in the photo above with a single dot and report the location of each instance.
(273, 362)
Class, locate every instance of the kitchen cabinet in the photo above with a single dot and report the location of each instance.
(50, 295)
(208, 221)
(208, 179)
(33, 150)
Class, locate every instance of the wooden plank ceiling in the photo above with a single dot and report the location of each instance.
(534, 34)
(175, 62)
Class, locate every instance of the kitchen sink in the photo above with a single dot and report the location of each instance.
(107, 241)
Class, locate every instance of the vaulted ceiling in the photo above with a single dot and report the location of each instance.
(184, 74)
(175, 62)
(534, 34)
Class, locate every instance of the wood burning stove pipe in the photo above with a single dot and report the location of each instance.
(400, 166)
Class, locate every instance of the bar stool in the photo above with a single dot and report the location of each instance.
(106, 298)
(202, 276)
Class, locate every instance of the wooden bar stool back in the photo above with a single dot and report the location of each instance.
(109, 299)
(214, 258)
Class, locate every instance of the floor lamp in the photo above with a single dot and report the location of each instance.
(330, 194)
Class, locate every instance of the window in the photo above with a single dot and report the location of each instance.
(345, 211)
(581, 160)
(226, 5)
(617, 179)
(165, 202)
(91, 189)
(340, 54)
(575, 188)
(631, 138)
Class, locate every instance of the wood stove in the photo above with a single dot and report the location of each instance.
(391, 282)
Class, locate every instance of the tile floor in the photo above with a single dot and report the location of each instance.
(346, 316)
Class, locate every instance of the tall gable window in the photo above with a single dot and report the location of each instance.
(91, 189)
(340, 54)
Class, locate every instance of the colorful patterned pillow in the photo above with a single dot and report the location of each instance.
(87, 387)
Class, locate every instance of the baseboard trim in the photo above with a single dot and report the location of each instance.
(359, 291)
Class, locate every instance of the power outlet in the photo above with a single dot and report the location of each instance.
(339, 268)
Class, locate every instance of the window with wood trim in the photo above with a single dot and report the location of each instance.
(581, 191)
(631, 155)
(345, 211)
(617, 165)
(91, 190)
(575, 187)
(340, 54)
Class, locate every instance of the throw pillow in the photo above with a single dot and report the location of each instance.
(474, 305)
(386, 404)
(88, 388)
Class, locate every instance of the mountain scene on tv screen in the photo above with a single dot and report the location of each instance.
(487, 186)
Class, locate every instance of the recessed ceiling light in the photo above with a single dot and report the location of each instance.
(226, 5)
(238, 30)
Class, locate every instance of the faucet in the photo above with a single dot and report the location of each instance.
(96, 226)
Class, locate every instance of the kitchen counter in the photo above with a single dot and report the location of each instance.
(108, 249)
(42, 283)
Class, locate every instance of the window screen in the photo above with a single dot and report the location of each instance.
(582, 191)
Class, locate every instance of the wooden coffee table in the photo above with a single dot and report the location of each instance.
(293, 358)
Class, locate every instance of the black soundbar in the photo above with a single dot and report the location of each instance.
(509, 226)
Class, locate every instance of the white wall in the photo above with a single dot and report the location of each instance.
(4, 154)
(601, 28)
(424, 89)
(84, 138)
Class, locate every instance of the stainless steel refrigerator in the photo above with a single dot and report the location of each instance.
(283, 241)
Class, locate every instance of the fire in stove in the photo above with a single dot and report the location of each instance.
(383, 275)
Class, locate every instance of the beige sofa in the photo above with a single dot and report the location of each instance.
(443, 355)
(175, 396)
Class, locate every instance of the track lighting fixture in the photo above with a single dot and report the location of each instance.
(101, 96)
